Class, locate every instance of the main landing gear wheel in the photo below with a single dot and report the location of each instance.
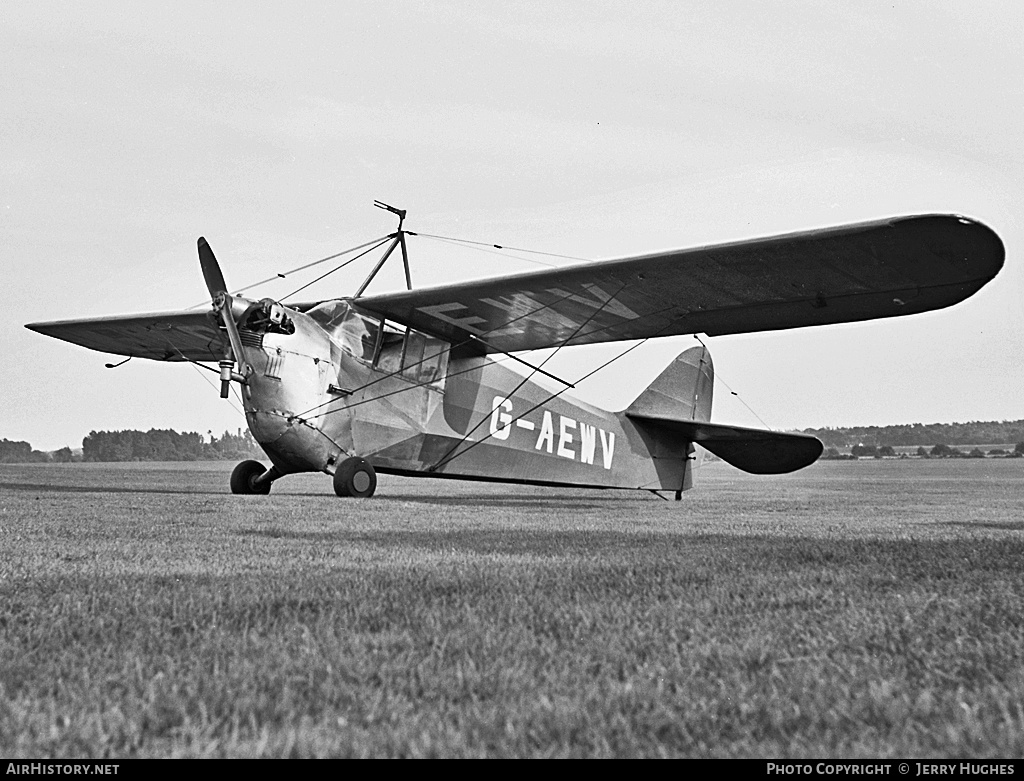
(243, 479)
(355, 477)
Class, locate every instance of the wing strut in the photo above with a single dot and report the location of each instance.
(537, 369)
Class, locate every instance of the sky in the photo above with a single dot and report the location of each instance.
(591, 129)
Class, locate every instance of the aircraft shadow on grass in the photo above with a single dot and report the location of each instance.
(45, 488)
(553, 501)
(1009, 526)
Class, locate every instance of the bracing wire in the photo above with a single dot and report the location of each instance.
(339, 267)
(305, 415)
(718, 378)
(498, 246)
(395, 392)
(447, 349)
(551, 396)
(197, 366)
(485, 248)
(452, 455)
(580, 380)
(286, 274)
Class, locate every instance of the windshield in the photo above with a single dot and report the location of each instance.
(356, 334)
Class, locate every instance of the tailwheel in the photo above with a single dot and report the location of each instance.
(245, 479)
(355, 477)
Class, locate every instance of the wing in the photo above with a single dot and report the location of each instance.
(885, 268)
(161, 336)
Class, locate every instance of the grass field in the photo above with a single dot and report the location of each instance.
(854, 609)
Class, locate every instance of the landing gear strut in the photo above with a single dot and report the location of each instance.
(355, 477)
(249, 477)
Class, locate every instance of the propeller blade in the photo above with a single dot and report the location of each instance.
(222, 306)
(211, 270)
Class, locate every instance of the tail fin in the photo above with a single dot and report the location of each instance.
(679, 403)
(683, 391)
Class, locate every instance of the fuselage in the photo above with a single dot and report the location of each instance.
(343, 383)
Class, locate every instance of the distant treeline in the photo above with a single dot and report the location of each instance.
(1007, 432)
(22, 453)
(152, 445)
(166, 445)
(936, 451)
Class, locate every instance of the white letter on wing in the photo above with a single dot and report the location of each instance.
(440, 311)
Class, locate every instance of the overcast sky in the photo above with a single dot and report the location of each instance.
(591, 129)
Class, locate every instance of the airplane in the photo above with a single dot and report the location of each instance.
(417, 382)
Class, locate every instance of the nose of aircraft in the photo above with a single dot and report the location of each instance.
(292, 444)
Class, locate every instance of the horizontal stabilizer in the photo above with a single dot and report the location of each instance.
(753, 450)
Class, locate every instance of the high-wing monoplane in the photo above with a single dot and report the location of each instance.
(417, 382)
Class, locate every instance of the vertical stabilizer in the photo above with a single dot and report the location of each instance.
(683, 391)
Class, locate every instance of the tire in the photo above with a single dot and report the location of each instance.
(355, 477)
(244, 474)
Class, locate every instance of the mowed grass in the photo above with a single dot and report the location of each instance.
(854, 609)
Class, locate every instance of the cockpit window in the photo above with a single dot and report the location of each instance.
(423, 357)
(356, 334)
(392, 344)
(329, 313)
(412, 355)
